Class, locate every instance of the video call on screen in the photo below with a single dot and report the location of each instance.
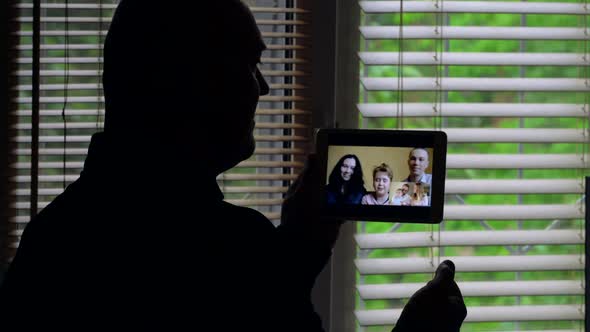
(375, 175)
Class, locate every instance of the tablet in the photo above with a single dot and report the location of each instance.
(382, 175)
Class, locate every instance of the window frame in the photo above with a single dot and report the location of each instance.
(333, 53)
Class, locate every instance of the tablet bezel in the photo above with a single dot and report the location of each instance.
(437, 140)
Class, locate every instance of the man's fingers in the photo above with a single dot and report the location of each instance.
(445, 271)
(305, 178)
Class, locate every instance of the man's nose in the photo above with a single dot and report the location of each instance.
(264, 88)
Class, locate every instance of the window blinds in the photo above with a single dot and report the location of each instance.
(281, 122)
(509, 83)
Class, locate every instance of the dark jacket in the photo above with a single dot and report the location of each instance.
(125, 247)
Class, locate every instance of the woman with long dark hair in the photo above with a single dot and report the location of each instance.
(346, 184)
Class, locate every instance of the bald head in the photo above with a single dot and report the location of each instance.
(184, 75)
(171, 55)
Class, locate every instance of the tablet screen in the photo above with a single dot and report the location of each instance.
(382, 175)
(376, 175)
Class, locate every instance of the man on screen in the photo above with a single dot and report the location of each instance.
(418, 162)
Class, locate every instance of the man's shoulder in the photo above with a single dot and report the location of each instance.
(58, 211)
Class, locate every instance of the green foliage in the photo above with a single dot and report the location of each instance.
(489, 20)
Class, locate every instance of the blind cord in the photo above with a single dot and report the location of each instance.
(440, 69)
(400, 69)
(66, 84)
(100, 60)
(441, 94)
(438, 95)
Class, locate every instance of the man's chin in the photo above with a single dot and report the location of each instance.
(230, 160)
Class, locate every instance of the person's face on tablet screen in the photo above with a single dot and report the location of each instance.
(418, 161)
(347, 168)
(405, 189)
(381, 183)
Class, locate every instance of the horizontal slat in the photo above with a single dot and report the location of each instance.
(61, 47)
(474, 110)
(255, 202)
(254, 190)
(468, 238)
(54, 152)
(96, 86)
(472, 264)
(113, 6)
(63, 33)
(256, 177)
(522, 135)
(15, 233)
(54, 139)
(473, 32)
(71, 19)
(96, 33)
(512, 212)
(272, 215)
(475, 59)
(96, 60)
(509, 135)
(516, 186)
(100, 99)
(106, 19)
(60, 60)
(79, 165)
(222, 177)
(70, 6)
(279, 151)
(94, 126)
(372, 7)
(60, 73)
(83, 151)
(484, 314)
(97, 73)
(278, 111)
(69, 112)
(515, 161)
(94, 112)
(475, 84)
(27, 205)
(44, 178)
(478, 288)
(86, 139)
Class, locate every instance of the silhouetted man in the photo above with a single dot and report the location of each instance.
(143, 239)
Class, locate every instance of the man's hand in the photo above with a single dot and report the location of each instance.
(436, 307)
(300, 210)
